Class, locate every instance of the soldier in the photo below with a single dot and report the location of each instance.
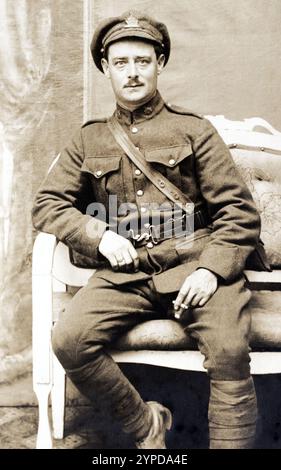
(151, 156)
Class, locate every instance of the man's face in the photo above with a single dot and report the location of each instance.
(133, 68)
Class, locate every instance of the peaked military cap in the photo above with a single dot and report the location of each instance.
(131, 24)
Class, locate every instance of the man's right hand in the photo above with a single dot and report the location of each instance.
(119, 251)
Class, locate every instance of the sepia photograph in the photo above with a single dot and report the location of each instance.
(140, 227)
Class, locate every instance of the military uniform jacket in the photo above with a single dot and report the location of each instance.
(187, 149)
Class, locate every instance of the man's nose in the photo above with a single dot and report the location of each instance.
(132, 70)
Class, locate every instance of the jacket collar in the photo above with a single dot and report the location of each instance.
(144, 112)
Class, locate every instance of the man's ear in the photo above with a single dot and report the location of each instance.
(160, 63)
(105, 68)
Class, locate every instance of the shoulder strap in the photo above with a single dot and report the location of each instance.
(179, 110)
(156, 178)
(93, 121)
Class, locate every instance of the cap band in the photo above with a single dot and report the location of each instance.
(122, 31)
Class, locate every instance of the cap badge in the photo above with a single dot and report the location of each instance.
(131, 21)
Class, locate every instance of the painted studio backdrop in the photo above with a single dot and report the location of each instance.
(225, 60)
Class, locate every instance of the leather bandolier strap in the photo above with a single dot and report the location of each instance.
(200, 218)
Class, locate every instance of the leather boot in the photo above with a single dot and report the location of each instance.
(161, 421)
(232, 414)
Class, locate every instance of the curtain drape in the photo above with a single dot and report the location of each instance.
(41, 95)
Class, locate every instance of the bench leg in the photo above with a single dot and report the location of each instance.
(44, 437)
(58, 399)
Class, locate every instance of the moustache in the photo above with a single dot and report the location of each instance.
(132, 83)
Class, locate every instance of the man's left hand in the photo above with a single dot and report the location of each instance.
(196, 290)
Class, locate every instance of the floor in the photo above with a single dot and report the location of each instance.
(19, 427)
(186, 394)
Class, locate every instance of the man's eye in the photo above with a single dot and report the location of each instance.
(143, 61)
(120, 63)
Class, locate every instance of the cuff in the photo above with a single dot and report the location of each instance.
(224, 261)
(87, 237)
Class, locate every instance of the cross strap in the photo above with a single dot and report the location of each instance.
(173, 193)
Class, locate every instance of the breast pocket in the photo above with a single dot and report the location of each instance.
(106, 176)
(173, 162)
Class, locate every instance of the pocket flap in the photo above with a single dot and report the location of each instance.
(169, 156)
(100, 166)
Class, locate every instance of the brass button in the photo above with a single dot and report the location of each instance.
(162, 184)
(134, 130)
(140, 192)
(189, 207)
(148, 111)
(137, 172)
(172, 161)
(149, 245)
(98, 173)
(262, 149)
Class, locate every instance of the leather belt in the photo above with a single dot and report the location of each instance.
(185, 225)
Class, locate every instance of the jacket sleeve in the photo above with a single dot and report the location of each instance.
(236, 222)
(56, 208)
